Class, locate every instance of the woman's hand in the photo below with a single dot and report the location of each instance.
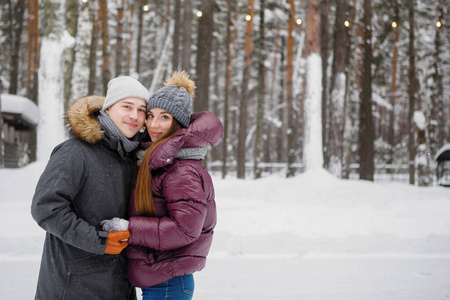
(115, 224)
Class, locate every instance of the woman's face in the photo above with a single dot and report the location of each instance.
(159, 122)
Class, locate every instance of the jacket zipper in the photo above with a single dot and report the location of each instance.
(67, 283)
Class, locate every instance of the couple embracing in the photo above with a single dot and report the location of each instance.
(124, 206)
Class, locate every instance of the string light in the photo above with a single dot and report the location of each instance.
(199, 14)
(438, 24)
(347, 23)
(248, 18)
(299, 21)
(146, 7)
(394, 24)
(84, 1)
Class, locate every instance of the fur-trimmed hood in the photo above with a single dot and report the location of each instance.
(82, 118)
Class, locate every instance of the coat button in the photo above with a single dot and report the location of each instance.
(168, 160)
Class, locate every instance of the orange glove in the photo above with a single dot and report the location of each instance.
(114, 244)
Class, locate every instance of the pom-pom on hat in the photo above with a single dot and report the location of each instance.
(175, 97)
(123, 87)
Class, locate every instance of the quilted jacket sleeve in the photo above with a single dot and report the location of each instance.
(186, 205)
(52, 206)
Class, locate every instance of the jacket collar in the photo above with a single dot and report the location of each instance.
(82, 118)
(204, 130)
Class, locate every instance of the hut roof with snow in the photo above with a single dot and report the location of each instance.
(443, 153)
(18, 111)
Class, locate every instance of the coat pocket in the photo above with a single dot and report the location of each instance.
(94, 277)
(91, 264)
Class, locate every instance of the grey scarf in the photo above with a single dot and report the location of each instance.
(109, 126)
(198, 153)
(192, 153)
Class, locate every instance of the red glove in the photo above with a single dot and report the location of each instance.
(114, 245)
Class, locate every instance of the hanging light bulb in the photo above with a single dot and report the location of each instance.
(248, 18)
(84, 1)
(199, 14)
(299, 21)
(347, 23)
(394, 24)
(146, 7)
(438, 24)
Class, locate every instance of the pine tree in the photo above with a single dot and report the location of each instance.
(261, 93)
(204, 47)
(366, 128)
(244, 101)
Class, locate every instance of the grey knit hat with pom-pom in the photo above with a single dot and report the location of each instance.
(175, 97)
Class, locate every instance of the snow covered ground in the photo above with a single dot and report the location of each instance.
(308, 237)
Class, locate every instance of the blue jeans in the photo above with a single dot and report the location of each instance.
(177, 288)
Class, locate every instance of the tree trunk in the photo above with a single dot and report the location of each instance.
(281, 135)
(391, 129)
(139, 36)
(243, 106)
(326, 108)
(176, 35)
(350, 107)
(261, 93)
(439, 94)
(437, 114)
(71, 14)
(290, 91)
(424, 174)
(313, 124)
(33, 49)
(366, 129)
(412, 96)
(16, 27)
(119, 43)
(93, 52)
(230, 126)
(269, 153)
(229, 60)
(106, 71)
(204, 46)
(337, 90)
(51, 74)
(130, 37)
(187, 35)
(33, 64)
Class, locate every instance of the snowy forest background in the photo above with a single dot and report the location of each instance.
(364, 82)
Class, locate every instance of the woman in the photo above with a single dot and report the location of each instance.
(172, 210)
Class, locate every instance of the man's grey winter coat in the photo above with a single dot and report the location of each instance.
(88, 179)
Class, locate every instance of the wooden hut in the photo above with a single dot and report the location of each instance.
(20, 117)
(443, 165)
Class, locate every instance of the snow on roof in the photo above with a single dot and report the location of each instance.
(15, 104)
(443, 149)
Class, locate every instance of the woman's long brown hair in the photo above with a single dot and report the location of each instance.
(143, 197)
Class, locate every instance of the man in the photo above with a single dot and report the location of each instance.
(88, 179)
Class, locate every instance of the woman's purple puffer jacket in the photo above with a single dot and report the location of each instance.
(176, 241)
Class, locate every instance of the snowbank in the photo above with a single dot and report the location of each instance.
(308, 237)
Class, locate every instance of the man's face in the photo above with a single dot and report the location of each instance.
(128, 115)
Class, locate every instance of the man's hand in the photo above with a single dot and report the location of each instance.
(114, 244)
